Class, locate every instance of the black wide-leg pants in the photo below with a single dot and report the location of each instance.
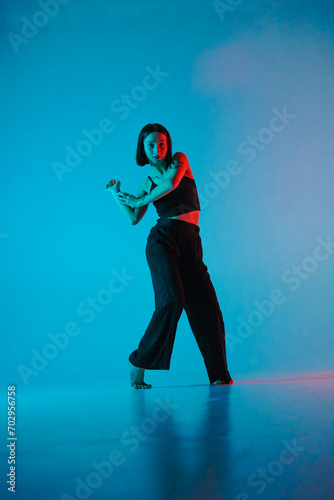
(181, 281)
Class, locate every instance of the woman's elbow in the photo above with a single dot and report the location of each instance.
(171, 184)
(174, 182)
(136, 220)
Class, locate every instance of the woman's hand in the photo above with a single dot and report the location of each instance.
(113, 186)
(127, 199)
(124, 198)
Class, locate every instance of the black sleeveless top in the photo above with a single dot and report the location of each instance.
(183, 199)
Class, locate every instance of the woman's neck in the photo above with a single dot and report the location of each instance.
(159, 167)
(158, 170)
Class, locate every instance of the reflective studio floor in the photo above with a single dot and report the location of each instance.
(265, 437)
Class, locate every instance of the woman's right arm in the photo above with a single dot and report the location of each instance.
(133, 215)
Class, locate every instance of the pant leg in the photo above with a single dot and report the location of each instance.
(203, 312)
(155, 348)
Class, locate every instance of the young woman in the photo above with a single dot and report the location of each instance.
(175, 257)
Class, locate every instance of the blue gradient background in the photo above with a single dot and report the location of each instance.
(61, 239)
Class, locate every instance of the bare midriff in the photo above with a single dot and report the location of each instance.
(191, 217)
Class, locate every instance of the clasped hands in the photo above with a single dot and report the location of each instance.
(121, 197)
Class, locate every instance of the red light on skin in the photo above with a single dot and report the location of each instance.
(110, 183)
(155, 146)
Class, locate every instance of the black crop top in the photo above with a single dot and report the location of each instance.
(183, 199)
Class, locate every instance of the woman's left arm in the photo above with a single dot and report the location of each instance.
(178, 167)
(176, 170)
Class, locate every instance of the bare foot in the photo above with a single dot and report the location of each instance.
(137, 377)
(222, 382)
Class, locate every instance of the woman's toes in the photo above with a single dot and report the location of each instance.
(137, 377)
(222, 382)
(142, 385)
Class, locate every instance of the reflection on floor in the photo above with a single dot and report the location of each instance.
(262, 438)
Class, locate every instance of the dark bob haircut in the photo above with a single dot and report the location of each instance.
(141, 157)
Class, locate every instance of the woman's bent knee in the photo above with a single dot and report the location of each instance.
(175, 307)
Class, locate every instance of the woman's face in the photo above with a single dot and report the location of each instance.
(155, 146)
